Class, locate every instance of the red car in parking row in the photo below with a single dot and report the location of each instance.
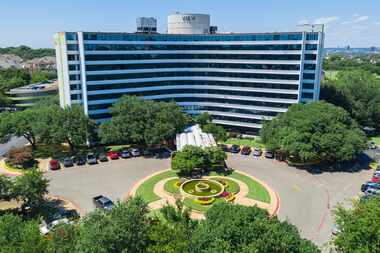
(113, 155)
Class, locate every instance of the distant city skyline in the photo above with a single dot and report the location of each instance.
(33, 23)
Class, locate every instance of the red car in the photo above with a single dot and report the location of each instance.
(113, 155)
(375, 179)
(54, 165)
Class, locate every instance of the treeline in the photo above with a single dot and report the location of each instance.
(369, 63)
(129, 227)
(27, 53)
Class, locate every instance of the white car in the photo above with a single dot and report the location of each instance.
(372, 191)
(135, 152)
(45, 229)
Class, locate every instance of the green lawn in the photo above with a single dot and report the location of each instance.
(196, 206)
(376, 140)
(146, 189)
(251, 142)
(170, 186)
(256, 190)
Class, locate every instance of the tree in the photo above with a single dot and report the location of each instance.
(215, 155)
(62, 239)
(18, 236)
(20, 157)
(203, 119)
(6, 188)
(31, 188)
(235, 228)
(359, 227)
(22, 123)
(189, 159)
(173, 231)
(123, 229)
(70, 125)
(139, 121)
(218, 132)
(358, 92)
(315, 131)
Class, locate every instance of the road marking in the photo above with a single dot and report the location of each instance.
(296, 188)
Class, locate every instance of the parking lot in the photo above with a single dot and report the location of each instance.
(306, 198)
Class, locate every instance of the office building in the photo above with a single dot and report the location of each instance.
(241, 79)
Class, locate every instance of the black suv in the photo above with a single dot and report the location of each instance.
(235, 149)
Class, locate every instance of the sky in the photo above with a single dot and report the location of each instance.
(34, 22)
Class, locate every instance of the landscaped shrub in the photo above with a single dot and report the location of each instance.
(20, 158)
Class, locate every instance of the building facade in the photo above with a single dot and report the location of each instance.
(240, 79)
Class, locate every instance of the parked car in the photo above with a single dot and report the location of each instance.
(376, 174)
(372, 192)
(54, 164)
(378, 168)
(103, 157)
(245, 150)
(91, 159)
(375, 179)
(80, 160)
(368, 185)
(335, 229)
(125, 154)
(235, 149)
(135, 152)
(269, 154)
(223, 147)
(257, 152)
(46, 228)
(5, 138)
(68, 162)
(372, 145)
(160, 153)
(102, 202)
(113, 155)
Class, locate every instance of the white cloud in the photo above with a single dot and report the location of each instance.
(357, 19)
(325, 20)
(377, 23)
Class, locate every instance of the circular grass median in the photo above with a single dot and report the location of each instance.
(256, 191)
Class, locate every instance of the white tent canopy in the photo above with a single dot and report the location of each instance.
(194, 136)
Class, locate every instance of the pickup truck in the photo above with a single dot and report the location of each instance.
(102, 202)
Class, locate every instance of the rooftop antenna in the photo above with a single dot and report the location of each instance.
(313, 27)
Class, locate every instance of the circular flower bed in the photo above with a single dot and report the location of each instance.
(201, 188)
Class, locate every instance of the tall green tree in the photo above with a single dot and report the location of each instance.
(189, 159)
(6, 188)
(359, 227)
(358, 92)
(203, 119)
(63, 239)
(31, 189)
(146, 122)
(235, 228)
(215, 155)
(123, 229)
(70, 125)
(22, 123)
(19, 236)
(219, 133)
(315, 131)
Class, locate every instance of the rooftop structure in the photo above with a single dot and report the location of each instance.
(26, 96)
(194, 136)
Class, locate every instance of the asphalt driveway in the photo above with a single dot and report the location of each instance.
(306, 199)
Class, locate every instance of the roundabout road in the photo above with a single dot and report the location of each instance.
(306, 199)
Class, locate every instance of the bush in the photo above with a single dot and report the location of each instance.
(20, 158)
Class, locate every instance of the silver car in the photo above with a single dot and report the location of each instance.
(91, 158)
